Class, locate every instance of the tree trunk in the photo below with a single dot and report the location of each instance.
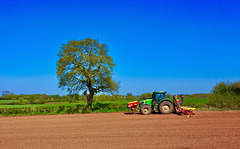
(90, 100)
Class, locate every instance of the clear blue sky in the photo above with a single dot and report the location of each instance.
(181, 46)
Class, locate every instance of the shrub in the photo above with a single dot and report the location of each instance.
(31, 99)
(21, 101)
(226, 95)
(168, 96)
(13, 101)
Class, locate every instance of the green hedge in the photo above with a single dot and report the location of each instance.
(62, 109)
(41, 110)
(109, 107)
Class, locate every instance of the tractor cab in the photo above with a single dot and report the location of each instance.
(158, 96)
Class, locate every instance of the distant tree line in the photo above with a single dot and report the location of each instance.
(37, 98)
(43, 98)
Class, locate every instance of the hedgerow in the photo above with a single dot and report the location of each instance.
(108, 107)
(41, 110)
(62, 109)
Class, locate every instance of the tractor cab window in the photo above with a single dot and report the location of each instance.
(160, 96)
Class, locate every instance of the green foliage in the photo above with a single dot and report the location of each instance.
(36, 99)
(114, 105)
(129, 94)
(5, 101)
(131, 98)
(196, 100)
(225, 101)
(13, 100)
(168, 96)
(104, 97)
(226, 95)
(63, 109)
(146, 95)
(54, 96)
(85, 64)
(76, 97)
(21, 101)
(108, 107)
(40, 100)
(198, 103)
(117, 98)
(71, 98)
(101, 97)
(31, 99)
(42, 110)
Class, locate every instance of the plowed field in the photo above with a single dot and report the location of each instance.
(118, 130)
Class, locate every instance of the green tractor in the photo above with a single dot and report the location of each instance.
(158, 102)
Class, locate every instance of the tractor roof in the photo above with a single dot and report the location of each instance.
(159, 92)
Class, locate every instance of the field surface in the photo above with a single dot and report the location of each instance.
(118, 130)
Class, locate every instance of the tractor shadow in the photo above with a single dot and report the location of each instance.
(138, 113)
(154, 113)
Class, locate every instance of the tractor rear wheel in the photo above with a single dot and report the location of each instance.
(146, 109)
(165, 107)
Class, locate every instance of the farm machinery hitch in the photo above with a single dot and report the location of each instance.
(182, 110)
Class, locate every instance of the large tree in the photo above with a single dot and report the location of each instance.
(86, 65)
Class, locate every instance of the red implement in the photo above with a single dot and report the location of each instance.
(182, 110)
(133, 105)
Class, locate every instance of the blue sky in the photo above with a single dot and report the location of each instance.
(180, 46)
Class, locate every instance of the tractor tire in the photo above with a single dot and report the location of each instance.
(165, 107)
(146, 109)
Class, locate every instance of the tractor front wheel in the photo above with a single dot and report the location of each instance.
(146, 109)
(165, 107)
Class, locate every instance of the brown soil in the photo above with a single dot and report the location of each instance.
(118, 130)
